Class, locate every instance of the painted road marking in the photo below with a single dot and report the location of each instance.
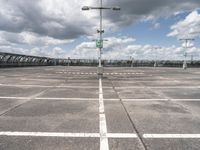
(74, 99)
(98, 135)
(78, 73)
(5, 97)
(75, 135)
(48, 86)
(171, 136)
(159, 87)
(48, 80)
(127, 87)
(49, 134)
(95, 99)
(121, 135)
(132, 100)
(102, 120)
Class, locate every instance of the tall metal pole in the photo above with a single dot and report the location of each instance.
(185, 56)
(155, 59)
(100, 42)
(100, 33)
(185, 53)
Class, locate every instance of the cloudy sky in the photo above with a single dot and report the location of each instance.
(58, 28)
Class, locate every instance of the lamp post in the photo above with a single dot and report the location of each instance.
(68, 61)
(186, 41)
(132, 60)
(155, 51)
(101, 31)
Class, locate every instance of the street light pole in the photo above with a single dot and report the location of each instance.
(186, 41)
(155, 59)
(101, 31)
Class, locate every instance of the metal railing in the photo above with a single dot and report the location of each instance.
(17, 60)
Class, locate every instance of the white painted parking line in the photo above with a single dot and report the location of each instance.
(49, 134)
(135, 100)
(97, 135)
(159, 87)
(48, 86)
(5, 97)
(121, 135)
(127, 87)
(171, 136)
(95, 99)
(102, 120)
(78, 73)
(47, 80)
(74, 99)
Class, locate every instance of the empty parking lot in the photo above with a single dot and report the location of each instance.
(69, 108)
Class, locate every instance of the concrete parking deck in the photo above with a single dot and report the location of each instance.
(69, 108)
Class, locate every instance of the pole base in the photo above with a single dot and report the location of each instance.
(100, 71)
(184, 66)
(155, 65)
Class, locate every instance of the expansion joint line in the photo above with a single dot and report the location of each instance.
(102, 120)
(129, 117)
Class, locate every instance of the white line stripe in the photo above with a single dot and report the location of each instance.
(78, 99)
(95, 99)
(135, 100)
(129, 87)
(171, 136)
(121, 135)
(49, 134)
(159, 87)
(51, 98)
(46, 80)
(114, 99)
(97, 135)
(5, 97)
(102, 120)
(48, 86)
(136, 80)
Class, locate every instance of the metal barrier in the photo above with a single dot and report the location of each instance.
(17, 60)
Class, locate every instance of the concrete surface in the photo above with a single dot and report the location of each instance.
(65, 100)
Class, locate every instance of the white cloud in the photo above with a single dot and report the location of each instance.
(124, 47)
(61, 19)
(55, 52)
(89, 50)
(156, 25)
(187, 28)
(45, 23)
(28, 38)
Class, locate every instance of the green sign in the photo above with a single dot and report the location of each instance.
(99, 43)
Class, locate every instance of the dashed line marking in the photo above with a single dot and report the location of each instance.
(93, 73)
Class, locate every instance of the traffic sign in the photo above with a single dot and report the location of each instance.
(99, 43)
